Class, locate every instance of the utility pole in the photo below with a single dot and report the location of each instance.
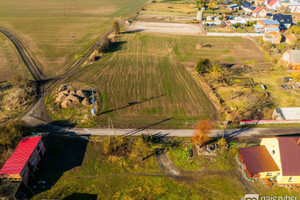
(111, 125)
(93, 101)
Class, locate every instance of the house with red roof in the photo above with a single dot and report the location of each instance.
(260, 11)
(277, 158)
(273, 5)
(24, 160)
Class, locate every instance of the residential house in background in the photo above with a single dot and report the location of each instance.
(292, 57)
(273, 5)
(285, 21)
(272, 30)
(247, 6)
(266, 26)
(290, 39)
(277, 158)
(260, 11)
(259, 2)
(273, 37)
(269, 23)
(233, 7)
(294, 7)
(24, 160)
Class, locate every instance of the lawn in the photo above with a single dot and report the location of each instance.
(93, 173)
(273, 80)
(55, 31)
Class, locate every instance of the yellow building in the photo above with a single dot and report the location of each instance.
(277, 158)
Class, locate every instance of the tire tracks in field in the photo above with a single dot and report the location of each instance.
(37, 115)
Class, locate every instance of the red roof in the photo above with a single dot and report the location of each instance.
(258, 9)
(257, 159)
(272, 3)
(19, 158)
(290, 155)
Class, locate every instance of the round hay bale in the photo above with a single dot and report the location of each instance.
(72, 92)
(63, 87)
(83, 93)
(61, 97)
(86, 102)
(66, 103)
(75, 99)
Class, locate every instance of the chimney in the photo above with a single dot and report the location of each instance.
(298, 142)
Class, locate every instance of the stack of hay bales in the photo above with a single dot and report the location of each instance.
(67, 97)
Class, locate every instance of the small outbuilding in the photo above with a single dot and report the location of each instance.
(292, 57)
(291, 113)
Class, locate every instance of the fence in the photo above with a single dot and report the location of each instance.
(235, 34)
(248, 122)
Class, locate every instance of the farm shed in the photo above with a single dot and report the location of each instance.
(24, 160)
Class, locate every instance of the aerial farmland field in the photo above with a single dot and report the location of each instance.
(55, 31)
(143, 80)
(11, 63)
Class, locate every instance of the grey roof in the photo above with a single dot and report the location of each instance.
(271, 29)
(248, 5)
(270, 22)
(285, 19)
(295, 56)
(290, 113)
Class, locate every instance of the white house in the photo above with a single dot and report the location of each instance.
(273, 5)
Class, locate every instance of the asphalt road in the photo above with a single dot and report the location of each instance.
(236, 133)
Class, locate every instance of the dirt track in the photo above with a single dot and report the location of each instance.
(171, 28)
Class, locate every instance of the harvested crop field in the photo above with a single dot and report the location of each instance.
(56, 31)
(142, 82)
(11, 64)
(171, 28)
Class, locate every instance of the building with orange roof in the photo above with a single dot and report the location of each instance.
(260, 11)
(273, 37)
(276, 158)
(290, 39)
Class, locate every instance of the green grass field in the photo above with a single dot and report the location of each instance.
(55, 31)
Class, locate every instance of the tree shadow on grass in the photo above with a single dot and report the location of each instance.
(132, 31)
(132, 104)
(63, 153)
(81, 196)
(115, 46)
